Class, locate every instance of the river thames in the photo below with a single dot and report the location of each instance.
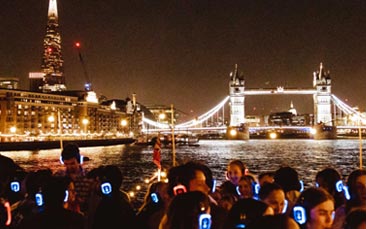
(306, 156)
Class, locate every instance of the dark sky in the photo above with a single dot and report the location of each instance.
(181, 52)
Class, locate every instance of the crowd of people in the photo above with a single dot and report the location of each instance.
(76, 198)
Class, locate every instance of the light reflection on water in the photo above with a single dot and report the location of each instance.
(306, 156)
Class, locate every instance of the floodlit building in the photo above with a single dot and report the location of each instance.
(9, 82)
(25, 113)
(52, 62)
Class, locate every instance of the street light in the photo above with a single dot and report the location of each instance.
(13, 129)
(85, 122)
(161, 117)
(124, 124)
(51, 118)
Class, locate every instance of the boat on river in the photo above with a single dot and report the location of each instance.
(166, 140)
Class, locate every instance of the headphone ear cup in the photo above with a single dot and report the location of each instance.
(179, 189)
(339, 186)
(299, 214)
(227, 176)
(106, 188)
(155, 197)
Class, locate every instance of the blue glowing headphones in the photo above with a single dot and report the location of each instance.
(155, 197)
(301, 185)
(339, 186)
(81, 159)
(39, 199)
(15, 186)
(204, 221)
(299, 214)
(106, 188)
(214, 183)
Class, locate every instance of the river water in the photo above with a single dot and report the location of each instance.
(307, 156)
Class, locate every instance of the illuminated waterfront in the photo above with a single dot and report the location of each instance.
(307, 156)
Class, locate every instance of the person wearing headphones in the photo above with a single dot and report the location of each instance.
(314, 209)
(72, 161)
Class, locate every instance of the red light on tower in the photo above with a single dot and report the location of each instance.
(77, 44)
(49, 49)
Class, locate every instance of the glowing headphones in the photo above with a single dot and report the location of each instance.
(179, 189)
(106, 188)
(214, 183)
(154, 197)
(255, 187)
(299, 214)
(340, 187)
(346, 192)
(204, 221)
(81, 159)
(285, 207)
(7, 207)
(301, 185)
(15, 186)
(66, 196)
(39, 199)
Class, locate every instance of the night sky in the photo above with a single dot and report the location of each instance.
(181, 52)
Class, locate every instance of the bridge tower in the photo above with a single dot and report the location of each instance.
(322, 97)
(236, 88)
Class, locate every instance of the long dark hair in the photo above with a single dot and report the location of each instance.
(352, 188)
(184, 210)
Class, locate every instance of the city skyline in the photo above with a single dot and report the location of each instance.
(182, 52)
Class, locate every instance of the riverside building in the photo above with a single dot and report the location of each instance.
(48, 111)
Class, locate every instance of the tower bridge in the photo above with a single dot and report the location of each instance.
(328, 110)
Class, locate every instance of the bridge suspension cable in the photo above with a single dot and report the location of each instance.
(192, 122)
(347, 109)
(205, 116)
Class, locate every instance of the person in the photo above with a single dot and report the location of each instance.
(288, 178)
(356, 219)
(54, 214)
(245, 211)
(9, 172)
(113, 210)
(28, 207)
(356, 184)
(188, 210)
(195, 176)
(245, 187)
(235, 170)
(314, 209)
(330, 180)
(72, 160)
(265, 177)
(155, 204)
(273, 195)
(226, 202)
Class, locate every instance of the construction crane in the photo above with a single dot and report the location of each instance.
(87, 85)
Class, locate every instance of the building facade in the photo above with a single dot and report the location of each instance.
(52, 61)
(28, 114)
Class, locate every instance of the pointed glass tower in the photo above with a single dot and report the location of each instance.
(52, 62)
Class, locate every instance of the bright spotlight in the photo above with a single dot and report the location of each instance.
(312, 131)
(233, 132)
(273, 135)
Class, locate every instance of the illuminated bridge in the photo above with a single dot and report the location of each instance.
(329, 110)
